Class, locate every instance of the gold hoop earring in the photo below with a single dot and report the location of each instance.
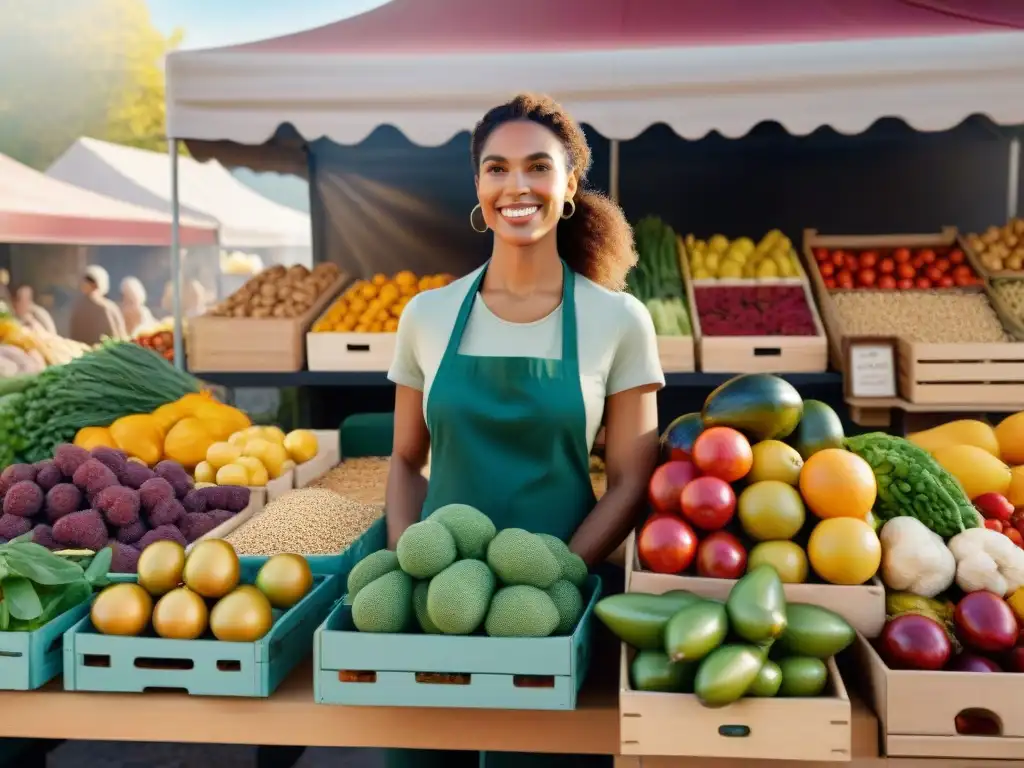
(572, 209)
(472, 223)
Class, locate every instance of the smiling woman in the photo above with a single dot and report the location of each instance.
(506, 375)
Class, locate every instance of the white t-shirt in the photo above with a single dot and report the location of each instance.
(617, 345)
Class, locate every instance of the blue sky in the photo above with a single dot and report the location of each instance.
(211, 23)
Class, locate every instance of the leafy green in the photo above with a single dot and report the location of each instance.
(37, 585)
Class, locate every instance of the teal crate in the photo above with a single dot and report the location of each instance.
(412, 670)
(203, 667)
(29, 660)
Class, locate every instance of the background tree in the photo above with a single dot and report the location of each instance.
(79, 68)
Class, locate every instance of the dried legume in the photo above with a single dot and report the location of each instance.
(929, 317)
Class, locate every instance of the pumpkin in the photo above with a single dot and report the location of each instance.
(139, 435)
(187, 442)
(94, 437)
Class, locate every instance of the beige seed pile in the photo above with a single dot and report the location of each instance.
(922, 316)
(363, 479)
(307, 521)
(1010, 294)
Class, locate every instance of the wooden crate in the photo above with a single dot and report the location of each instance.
(757, 354)
(863, 606)
(1013, 324)
(917, 710)
(246, 344)
(967, 374)
(331, 351)
(676, 353)
(786, 728)
(328, 455)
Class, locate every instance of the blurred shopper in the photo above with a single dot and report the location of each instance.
(95, 316)
(194, 299)
(30, 313)
(133, 305)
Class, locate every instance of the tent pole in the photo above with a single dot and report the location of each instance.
(613, 170)
(1013, 183)
(179, 345)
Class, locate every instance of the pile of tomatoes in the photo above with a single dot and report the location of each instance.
(161, 342)
(895, 268)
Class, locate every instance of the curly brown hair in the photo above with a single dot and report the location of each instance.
(596, 241)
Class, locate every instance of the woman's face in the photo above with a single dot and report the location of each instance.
(523, 182)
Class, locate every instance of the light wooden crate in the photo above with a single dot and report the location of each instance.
(917, 710)
(332, 351)
(248, 344)
(676, 354)
(968, 374)
(328, 455)
(757, 354)
(862, 606)
(815, 728)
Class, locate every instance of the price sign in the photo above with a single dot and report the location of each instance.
(870, 367)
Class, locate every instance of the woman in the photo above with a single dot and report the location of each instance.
(94, 316)
(133, 305)
(30, 313)
(506, 375)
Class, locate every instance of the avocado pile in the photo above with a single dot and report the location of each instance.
(455, 574)
(753, 644)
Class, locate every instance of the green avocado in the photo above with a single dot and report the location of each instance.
(639, 619)
(815, 631)
(762, 406)
(802, 677)
(678, 438)
(727, 673)
(767, 682)
(819, 428)
(696, 630)
(757, 606)
(655, 671)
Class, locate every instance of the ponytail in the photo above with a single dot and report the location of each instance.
(597, 241)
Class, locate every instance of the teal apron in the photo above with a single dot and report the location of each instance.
(508, 435)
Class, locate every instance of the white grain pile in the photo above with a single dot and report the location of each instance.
(307, 521)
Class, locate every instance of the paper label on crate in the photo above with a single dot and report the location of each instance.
(872, 370)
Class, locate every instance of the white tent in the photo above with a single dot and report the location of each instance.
(432, 67)
(208, 192)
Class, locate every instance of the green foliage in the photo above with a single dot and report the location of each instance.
(79, 68)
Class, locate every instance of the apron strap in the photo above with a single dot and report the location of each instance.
(570, 344)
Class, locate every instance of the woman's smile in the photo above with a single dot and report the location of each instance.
(519, 215)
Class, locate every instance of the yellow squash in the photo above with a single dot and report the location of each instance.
(94, 437)
(188, 442)
(959, 432)
(139, 435)
(977, 470)
(1010, 433)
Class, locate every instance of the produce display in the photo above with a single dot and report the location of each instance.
(1000, 249)
(895, 268)
(255, 455)
(754, 310)
(239, 263)
(1010, 294)
(761, 476)
(38, 412)
(374, 306)
(39, 585)
(930, 317)
(89, 500)
(159, 338)
(309, 521)
(657, 279)
(362, 479)
(29, 350)
(279, 292)
(182, 596)
(180, 430)
(454, 574)
(718, 258)
(752, 645)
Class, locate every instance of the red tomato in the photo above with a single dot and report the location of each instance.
(827, 270)
(947, 282)
(963, 280)
(927, 255)
(708, 503)
(867, 277)
(844, 279)
(905, 271)
(830, 284)
(851, 262)
(667, 483)
(886, 266)
(887, 282)
(868, 259)
(901, 255)
(943, 264)
(904, 284)
(666, 544)
(963, 270)
(994, 525)
(934, 274)
(1014, 535)
(922, 283)
(724, 453)
(956, 256)
(721, 556)
(838, 259)
(821, 254)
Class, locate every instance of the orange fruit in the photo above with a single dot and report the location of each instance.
(844, 550)
(837, 483)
